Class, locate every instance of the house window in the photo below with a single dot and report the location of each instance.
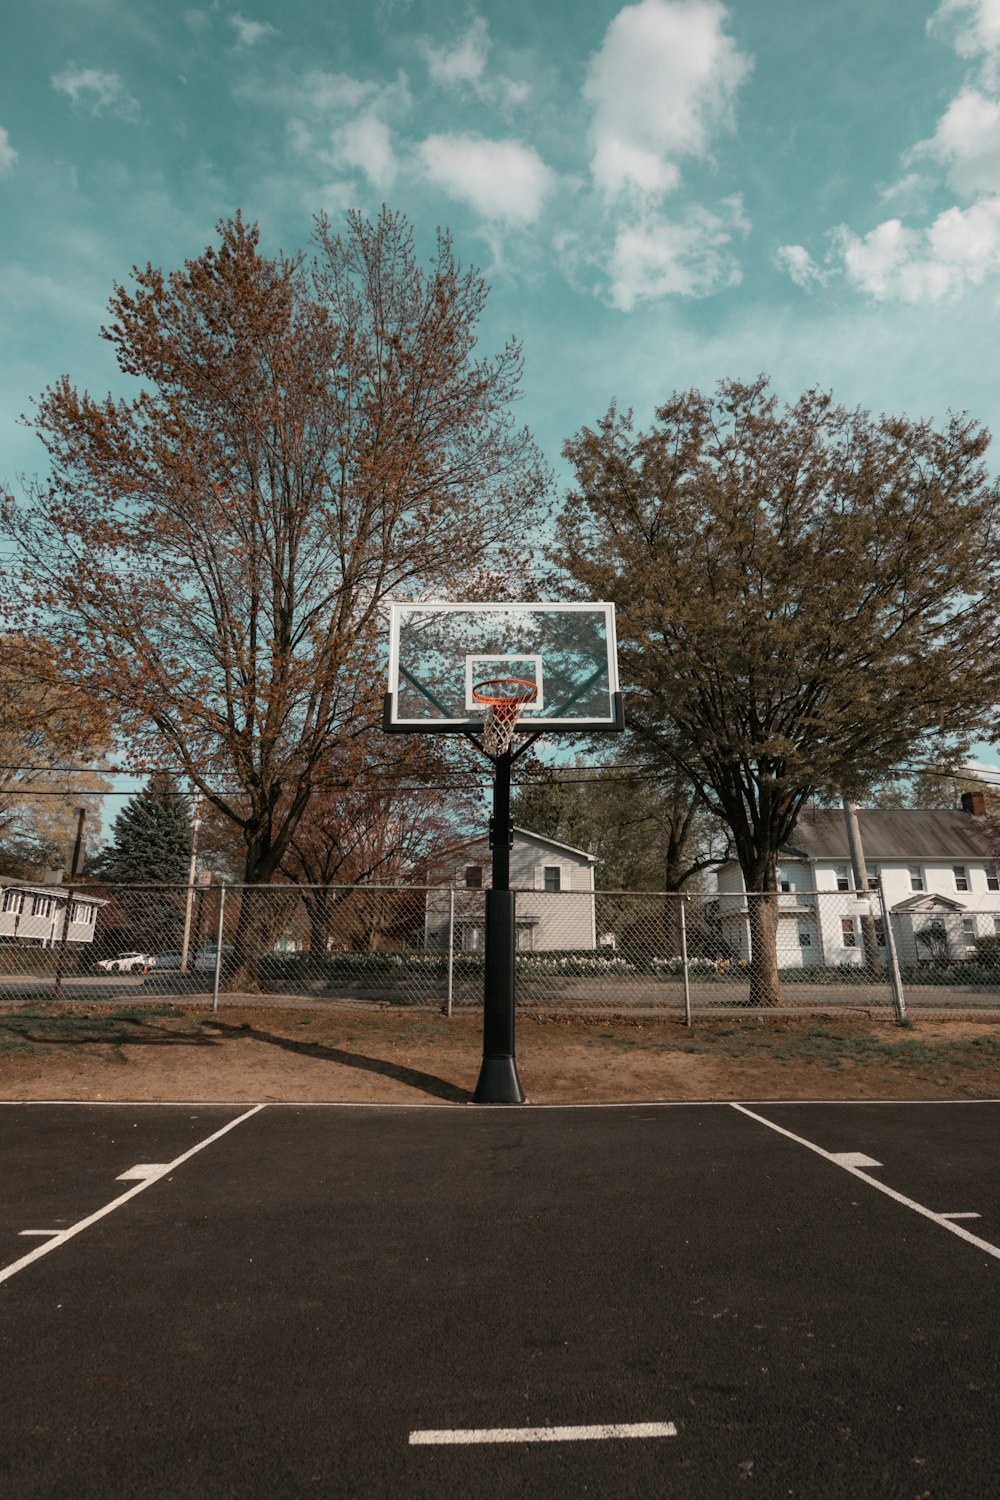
(784, 880)
(41, 906)
(843, 883)
(916, 875)
(996, 926)
(83, 912)
(871, 875)
(961, 878)
(523, 936)
(805, 938)
(880, 932)
(13, 901)
(992, 878)
(474, 877)
(472, 940)
(847, 934)
(969, 934)
(552, 878)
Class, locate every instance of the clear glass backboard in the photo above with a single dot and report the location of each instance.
(439, 651)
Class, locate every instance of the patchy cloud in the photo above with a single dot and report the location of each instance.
(796, 260)
(662, 87)
(96, 92)
(249, 33)
(689, 256)
(967, 143)
(960, 248)
(464, 63)
(502, 181)
(463, 67)
(8, 156)
(365, 143)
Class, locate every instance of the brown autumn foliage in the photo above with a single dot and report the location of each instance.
(804, 601)
(47, 726)
(210, 555)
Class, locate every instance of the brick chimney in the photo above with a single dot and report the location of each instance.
(974, 803)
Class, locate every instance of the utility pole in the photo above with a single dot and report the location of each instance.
(81, 818)
(195, 825)
(869, 935)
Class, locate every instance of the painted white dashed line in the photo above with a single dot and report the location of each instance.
(837, 1158)
(544, 1434)
(62, 1235)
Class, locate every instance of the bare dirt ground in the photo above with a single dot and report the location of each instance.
(260, 1053)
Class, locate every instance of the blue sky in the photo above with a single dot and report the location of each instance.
(660, 194)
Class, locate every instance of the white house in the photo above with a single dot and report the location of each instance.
(939, 869)
(36, 914)
(554, 906)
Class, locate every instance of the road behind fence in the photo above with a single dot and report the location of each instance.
(578, 952)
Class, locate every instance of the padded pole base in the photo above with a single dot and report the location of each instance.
(498, 1082)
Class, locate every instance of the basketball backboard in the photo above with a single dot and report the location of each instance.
(438, 652)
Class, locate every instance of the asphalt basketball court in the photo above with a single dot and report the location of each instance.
(691, 1300)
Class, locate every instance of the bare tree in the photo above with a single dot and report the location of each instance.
(212, 555)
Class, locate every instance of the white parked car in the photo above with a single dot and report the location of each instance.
(128, 963)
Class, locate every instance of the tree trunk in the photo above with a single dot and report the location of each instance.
(672, 926)
(762, 911)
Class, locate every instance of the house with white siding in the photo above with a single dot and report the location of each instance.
(554, 905)
(36, 914)
(940, 873)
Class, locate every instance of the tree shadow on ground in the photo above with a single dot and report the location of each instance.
(136, 1034)
(414, 1078)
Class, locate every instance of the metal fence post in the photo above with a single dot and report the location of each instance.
(898, 998)
(218, 949)
(451, 950)
(684, 960)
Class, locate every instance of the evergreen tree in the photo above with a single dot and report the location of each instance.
(151, 838)
(150, 852)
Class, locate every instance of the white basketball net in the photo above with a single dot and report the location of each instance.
(500, 720)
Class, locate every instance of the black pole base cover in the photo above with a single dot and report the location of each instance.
(498, 1082)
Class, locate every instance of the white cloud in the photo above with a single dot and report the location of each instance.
(796, 260)
(967, 142)
(662, 86)
(500, 180)
(657, 257)
(365, 143)
(960, 249)
(974, 26)
(464, 67)
(462, 64)
(249, 33)
(96, 92)
(8, 156)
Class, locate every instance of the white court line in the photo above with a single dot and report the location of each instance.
(544, 1434)
(67, 1234)
(945, 1220)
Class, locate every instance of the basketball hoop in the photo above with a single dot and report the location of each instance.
(503, 698)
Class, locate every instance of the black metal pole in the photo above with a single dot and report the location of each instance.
(498, 1080)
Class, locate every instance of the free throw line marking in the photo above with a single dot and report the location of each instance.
(945, 1220)
(544, 1434)
(67, 1234)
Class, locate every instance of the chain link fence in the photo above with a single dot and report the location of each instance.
(578, 952)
